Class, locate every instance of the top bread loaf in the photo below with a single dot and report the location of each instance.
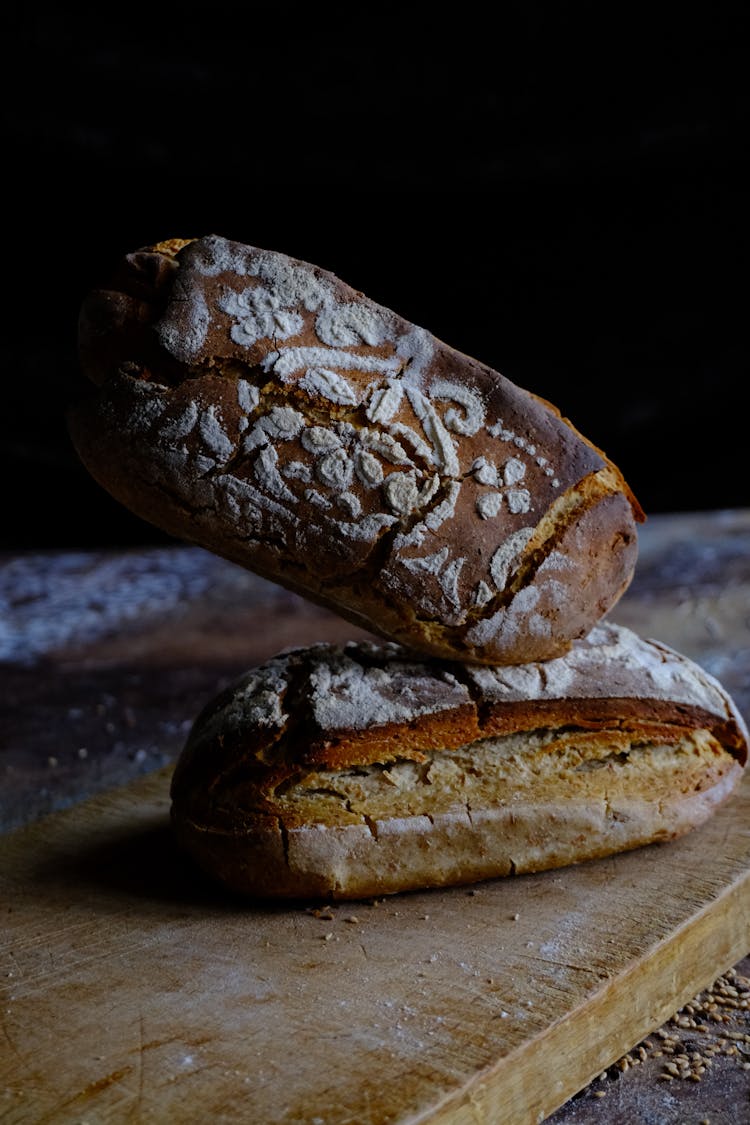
(258, 406)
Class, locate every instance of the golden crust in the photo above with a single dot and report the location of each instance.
(339, 860)
(356, 771)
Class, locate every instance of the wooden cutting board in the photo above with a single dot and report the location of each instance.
(132, 991)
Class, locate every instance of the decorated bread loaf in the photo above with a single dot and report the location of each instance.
(258, 406)
(362, 770)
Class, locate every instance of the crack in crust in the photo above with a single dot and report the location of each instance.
(351, 758)
(287, 422)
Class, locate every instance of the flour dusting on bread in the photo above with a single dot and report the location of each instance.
(292, 418)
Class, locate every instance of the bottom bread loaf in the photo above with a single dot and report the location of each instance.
(357, 771)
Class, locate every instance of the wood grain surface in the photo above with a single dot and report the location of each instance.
(134, 991)
(130, 986)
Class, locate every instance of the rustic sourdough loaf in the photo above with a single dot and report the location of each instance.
(258, 406)
(363, 770)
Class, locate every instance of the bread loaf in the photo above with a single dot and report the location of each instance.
(258, 406)
(361, 770)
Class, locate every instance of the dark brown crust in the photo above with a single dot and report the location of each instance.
(651, 718)
(137, 344)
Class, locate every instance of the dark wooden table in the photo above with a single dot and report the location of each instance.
(106, 657)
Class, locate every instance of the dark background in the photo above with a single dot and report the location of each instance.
(561, 193)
